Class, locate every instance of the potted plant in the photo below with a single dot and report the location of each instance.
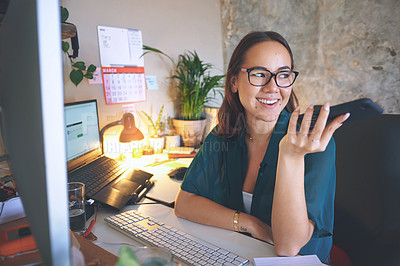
(156, 129)
(78, 69)
(194, 83)
(172, 138)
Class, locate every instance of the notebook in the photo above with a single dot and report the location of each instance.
(106, 180)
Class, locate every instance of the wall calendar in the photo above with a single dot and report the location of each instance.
(122, 65)
(124, 84)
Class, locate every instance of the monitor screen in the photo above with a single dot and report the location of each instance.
(81, 128)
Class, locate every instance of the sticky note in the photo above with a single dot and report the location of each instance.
(151, 82)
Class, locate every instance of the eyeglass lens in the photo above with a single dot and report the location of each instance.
(258, 77)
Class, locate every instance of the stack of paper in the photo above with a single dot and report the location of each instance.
(308, 260)
(180, 150)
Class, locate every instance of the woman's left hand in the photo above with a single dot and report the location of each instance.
(305, 141)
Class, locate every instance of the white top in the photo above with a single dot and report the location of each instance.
(247, 199)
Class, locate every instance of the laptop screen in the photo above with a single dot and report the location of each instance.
(81, 128)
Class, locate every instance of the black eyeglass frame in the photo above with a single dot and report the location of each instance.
(248, 70)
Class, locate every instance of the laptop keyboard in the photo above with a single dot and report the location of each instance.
(97, 174)
(183, 246)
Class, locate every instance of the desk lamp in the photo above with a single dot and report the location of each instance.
(128, 134)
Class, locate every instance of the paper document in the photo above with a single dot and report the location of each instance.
(12, 210)
(120, 47)
(307, 260)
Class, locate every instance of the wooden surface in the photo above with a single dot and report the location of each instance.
(68, 30)
(95, 255)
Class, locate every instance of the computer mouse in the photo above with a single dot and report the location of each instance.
(178, 173)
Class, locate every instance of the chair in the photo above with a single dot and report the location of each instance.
(367, 203)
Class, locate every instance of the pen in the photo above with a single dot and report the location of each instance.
(161, 162)
(147, 186)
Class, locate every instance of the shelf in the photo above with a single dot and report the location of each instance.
(68, 30)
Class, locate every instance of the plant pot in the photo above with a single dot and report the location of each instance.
(157, 144)
(192, 131)
(172, 141)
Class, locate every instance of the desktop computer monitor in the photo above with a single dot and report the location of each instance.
(32, 120)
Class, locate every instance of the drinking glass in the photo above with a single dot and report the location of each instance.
(76, 199)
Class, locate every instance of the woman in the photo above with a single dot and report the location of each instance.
(257, 172)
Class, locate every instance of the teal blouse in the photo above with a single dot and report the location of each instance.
(219, 169)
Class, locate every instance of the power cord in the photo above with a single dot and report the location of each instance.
(158, 201)
(90, 227)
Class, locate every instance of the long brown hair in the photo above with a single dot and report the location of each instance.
(231, 115)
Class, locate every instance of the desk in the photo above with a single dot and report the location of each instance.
(166, 188)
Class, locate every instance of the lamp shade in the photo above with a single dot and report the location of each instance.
(130, 132)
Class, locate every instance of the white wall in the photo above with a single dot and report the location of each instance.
(171, 26)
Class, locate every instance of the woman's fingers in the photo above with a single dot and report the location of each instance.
(319, 126)
(316, 140)
(333, 126)
(292, 130)
(305, 124)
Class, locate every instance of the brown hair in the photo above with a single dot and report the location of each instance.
(231, 115)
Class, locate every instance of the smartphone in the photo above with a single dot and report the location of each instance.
(363, 108)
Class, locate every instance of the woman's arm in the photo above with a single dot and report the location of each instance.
(291, 227)
(202, 210)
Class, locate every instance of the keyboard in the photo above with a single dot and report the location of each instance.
(185, 247)
(97, 174)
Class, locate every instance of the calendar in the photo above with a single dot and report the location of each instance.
(122, 65)
(124, 84)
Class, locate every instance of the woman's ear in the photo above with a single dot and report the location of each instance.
(234, 87)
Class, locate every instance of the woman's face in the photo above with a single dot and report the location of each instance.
(263, 103)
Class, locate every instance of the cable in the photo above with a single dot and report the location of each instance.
(168, 204)
(87, 232)
(2, 207)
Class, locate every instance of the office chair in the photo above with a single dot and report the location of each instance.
(367, 203)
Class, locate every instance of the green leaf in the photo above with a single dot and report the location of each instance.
(149, 49)
(64, 14)
(65, 46)
(127, 257)
(156, 127)
(158, 122)
(149, 123)
(76, 76)
(91, 68)
(79, 65)
(88, 75)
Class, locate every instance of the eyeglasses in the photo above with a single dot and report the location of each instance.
(259, 76)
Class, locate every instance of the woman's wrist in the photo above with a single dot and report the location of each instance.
(236, 221)
(244, 222)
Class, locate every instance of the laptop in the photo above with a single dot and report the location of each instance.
(106, 180)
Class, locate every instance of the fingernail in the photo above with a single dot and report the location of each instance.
(327, 106)
(311, 106)
(347, 115)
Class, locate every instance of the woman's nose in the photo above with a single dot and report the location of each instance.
(270, 86)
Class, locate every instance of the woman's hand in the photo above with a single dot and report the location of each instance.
(306, 141)
(254, 226)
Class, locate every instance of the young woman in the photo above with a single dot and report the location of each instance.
(257, 171)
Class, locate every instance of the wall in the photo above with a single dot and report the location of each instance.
(343, 49)
(171, 26)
